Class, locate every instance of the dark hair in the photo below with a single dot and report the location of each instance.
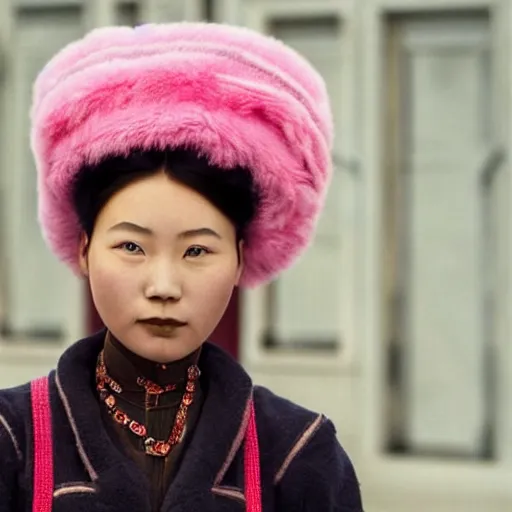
(232, 191)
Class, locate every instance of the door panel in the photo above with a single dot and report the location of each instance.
(306, 299)
(37, 284)
(446, 96)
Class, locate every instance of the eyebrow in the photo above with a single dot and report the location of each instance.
(199, 232)
(130, 226)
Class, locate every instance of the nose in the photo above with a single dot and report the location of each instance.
(164, 282)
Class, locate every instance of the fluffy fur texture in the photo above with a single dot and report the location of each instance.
(234, 95)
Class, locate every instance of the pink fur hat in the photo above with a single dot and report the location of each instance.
(234, 95)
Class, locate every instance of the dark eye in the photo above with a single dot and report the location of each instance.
(130, 247)
(196, 251)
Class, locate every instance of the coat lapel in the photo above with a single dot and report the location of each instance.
(216, 440)
(119, 483)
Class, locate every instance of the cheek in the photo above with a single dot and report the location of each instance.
(111, 290)
(211, 296)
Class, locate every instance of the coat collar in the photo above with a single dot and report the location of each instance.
(125, 367)
(217, 437)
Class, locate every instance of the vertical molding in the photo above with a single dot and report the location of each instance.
(228, 11)
(164, 11)
(7, 15)
(154, 11)
(503, 106)
(194, 10)
(369, 315)
(100, 13)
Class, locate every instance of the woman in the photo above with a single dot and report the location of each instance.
(175, 162)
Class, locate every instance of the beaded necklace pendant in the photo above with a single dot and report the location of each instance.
(152, 447)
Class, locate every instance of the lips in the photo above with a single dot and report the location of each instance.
(163, 322)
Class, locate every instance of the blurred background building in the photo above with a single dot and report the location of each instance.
(396, 322)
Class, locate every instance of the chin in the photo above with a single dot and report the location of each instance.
(165, 350)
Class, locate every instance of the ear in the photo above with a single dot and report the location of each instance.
(83, 248)
(240, 262)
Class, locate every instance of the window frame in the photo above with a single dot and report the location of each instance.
(20, 351)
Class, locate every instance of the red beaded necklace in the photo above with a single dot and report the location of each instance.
(104, 383)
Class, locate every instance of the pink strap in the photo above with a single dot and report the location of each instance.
(252, 466)
(43, 449)
(43, 453)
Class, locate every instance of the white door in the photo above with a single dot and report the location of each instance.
(446, 103)
(38, 286)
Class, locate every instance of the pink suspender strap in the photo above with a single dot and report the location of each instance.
(43, 448)
(43, 453)
(252, 466)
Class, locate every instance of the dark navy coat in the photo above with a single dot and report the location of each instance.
(303, 467)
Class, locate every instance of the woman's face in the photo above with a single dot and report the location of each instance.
(162, 264)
